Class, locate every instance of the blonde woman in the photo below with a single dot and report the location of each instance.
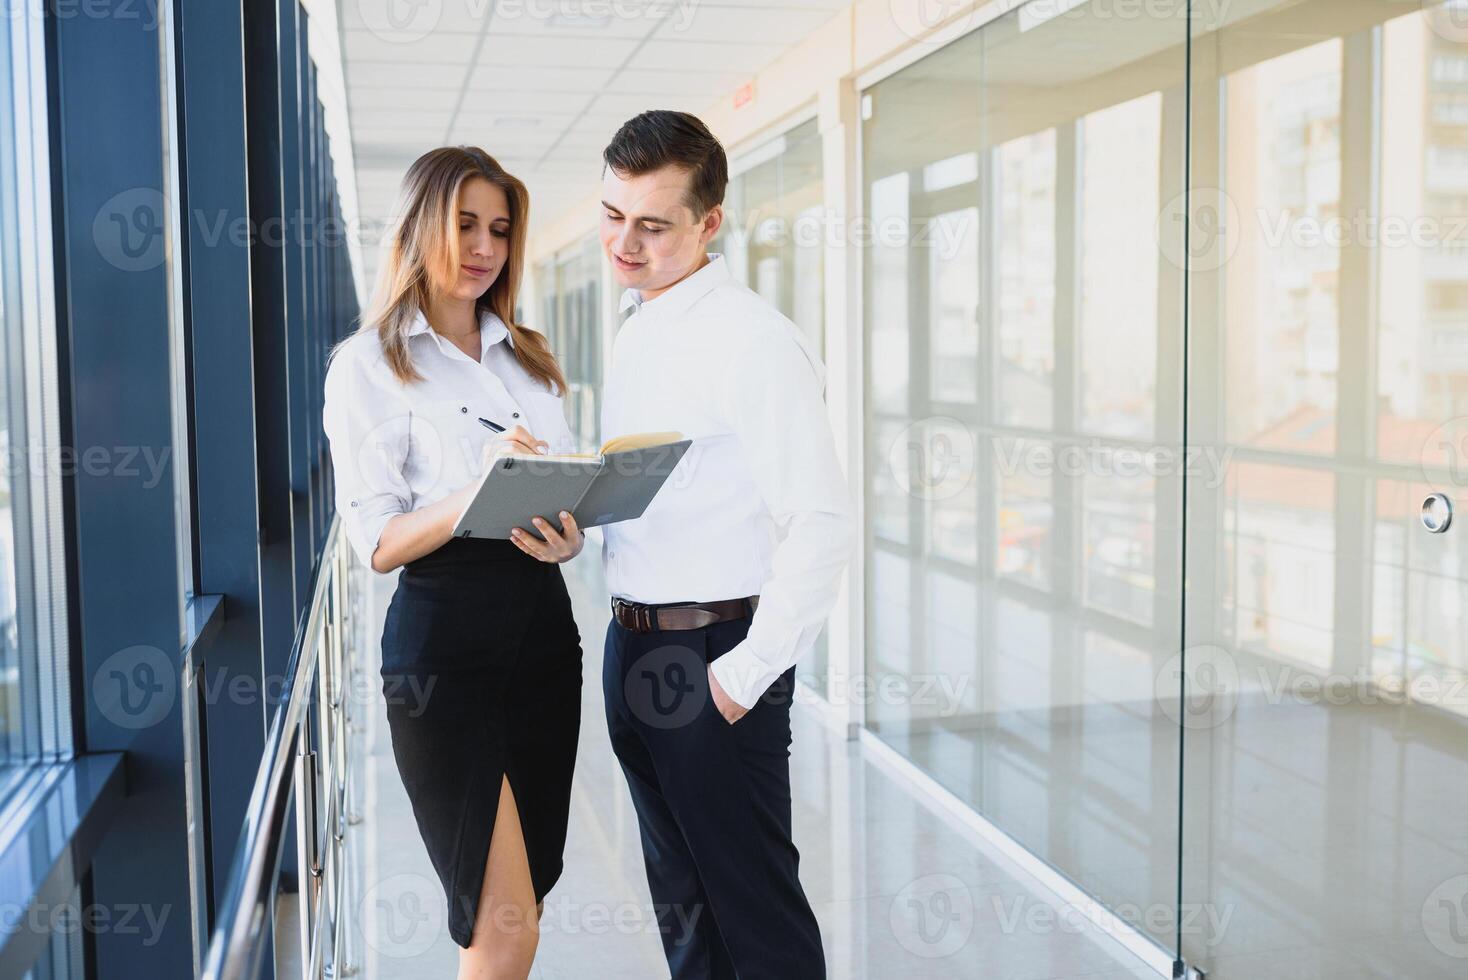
(481, 659)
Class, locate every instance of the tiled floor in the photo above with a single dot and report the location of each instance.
(899, 891)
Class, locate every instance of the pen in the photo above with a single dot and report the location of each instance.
(493, 426)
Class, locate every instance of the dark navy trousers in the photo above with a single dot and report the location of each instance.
(713, 806)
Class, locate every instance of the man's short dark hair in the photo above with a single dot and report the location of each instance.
(659, 138)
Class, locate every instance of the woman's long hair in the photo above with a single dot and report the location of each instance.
(422, 257)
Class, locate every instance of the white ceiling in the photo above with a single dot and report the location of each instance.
(538, 86)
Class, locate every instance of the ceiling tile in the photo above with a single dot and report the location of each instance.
(490, 78)
(396, 20)
(518, 102)
(543, 92)
(406, 136)
(432, 113)
(387, 97)
(389, 74)
(685, 83)
(708, 22)
(546, 54)
(493, 110)
(435, 49)
(624, 106)
(520, 19)
(831, 5)
(505, 145)
(673, 54)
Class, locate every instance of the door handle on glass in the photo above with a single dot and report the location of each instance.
(1437, 512)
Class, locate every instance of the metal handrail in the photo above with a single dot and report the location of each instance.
(243, 926)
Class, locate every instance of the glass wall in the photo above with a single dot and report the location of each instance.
(1327, 629)
(571, 318)
(1023, 358)
(1098, 300)
(773, 233)
(773, 238)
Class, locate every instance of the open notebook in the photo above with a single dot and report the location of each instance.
(613, 485)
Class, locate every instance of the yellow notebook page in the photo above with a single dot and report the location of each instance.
(621, 444)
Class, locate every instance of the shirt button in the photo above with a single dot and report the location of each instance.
(463, 409)
(611, 554)
(514, 415)
(354, 503)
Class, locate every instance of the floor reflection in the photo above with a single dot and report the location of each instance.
(897, 889)
(1323, 832)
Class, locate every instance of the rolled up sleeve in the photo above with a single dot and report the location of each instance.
(366, 425)
(774, 406)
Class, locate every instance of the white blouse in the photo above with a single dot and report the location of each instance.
(396, 448)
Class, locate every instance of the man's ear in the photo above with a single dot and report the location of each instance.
(712, 222)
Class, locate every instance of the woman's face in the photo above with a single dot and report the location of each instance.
(484, 237)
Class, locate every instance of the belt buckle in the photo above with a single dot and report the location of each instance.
(640, 615)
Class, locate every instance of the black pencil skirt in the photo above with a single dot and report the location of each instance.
(481, 670)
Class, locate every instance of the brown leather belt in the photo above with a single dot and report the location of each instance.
(640, 618)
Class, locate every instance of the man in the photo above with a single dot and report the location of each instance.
(729, 575)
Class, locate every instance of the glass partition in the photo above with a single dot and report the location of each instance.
(1166, 288)
(773, 234)
(571, 314)
(1023, 378)
(773, 238)
(1327, 755)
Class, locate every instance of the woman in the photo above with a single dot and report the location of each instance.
(481, 659)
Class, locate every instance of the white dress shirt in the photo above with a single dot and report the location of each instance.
(396, 448)
(758, 505)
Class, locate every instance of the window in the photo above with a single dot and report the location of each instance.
(34, 692)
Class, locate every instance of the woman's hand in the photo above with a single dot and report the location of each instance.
(517, 440)
(556, 547)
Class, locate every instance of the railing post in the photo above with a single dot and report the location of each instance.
(306, 748)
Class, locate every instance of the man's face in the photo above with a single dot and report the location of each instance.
(650, 235)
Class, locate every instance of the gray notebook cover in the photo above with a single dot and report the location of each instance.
(616, 487)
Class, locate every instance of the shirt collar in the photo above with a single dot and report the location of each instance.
(492, 330)
(683, 294)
